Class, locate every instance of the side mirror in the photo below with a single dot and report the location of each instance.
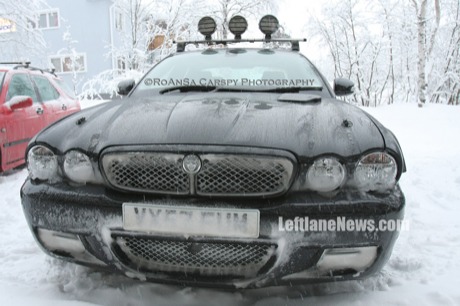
(18, 102)
(343, 87)
(125, 87)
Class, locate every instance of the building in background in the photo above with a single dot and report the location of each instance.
(91, 44)
(76, 38)
(78, 35)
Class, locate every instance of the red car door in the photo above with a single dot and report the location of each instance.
(20, 125)
(68, 97)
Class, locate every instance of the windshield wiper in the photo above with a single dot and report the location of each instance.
(203, 88)
(270, 89)
(188, 88)
(293, 89)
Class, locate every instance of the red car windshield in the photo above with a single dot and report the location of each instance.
(2, 75)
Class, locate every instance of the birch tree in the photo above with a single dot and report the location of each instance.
(425, 43)
(446, 78)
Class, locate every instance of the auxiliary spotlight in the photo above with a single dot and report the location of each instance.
(207, 26)
(268, 25)
(238, 25)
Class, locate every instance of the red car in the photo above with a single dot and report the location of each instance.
(30, 99)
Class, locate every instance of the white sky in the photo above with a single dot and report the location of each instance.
(294, 14)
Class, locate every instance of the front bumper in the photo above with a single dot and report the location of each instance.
(85, 225)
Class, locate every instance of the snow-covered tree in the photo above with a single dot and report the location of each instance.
(359, 47)
(145, 31)
(19, 36)
(445, 74)
(392, 50)
(133, 20)
(74, 64)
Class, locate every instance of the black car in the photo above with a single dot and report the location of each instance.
(225, 166)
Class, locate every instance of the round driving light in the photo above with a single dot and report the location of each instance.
(207, 26)
(42, 163)
(268, 25)
(376, 171)
(191, 164)
(326, 174)
(238, 25)
(78, 167)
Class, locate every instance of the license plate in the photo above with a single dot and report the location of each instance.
(191, 221)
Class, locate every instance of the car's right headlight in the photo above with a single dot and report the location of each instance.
(326, 174)
(42, 163)
(78, 167)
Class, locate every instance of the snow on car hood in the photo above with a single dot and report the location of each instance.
(240, 119)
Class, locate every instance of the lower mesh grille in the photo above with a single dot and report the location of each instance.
(201, 258)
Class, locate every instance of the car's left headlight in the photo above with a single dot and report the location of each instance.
(42, 163)
(78, 167)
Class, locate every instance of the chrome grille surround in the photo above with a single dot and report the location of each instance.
(198, 258)
(229, 174)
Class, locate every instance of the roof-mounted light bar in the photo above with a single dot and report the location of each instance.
(238, 25)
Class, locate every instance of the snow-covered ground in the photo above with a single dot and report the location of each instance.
(422, 270)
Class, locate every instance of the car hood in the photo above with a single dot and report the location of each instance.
(306, 129)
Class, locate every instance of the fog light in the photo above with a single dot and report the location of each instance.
(67, 243)
(358, 259)
(58, 241)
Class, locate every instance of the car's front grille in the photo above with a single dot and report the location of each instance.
(220, 174)
(200, 258)
(239, 175)
(147, 171)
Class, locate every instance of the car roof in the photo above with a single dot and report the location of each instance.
(31, 70)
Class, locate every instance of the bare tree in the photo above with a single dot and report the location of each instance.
(357, 53)
(224, 10)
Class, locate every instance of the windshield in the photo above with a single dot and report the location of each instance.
(233, 68)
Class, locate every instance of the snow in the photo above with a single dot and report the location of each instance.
(422, 270)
